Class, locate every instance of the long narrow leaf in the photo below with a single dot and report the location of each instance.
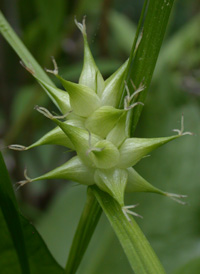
(143, 59)
(19, 238)
(138, 250)
(11, 214)
(87, 224)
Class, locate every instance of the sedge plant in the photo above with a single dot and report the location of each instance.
(95, 121)
(95, 128)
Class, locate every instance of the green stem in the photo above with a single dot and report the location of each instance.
(87, 224)
(141, 256)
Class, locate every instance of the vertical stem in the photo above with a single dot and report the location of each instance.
(139, 252)
(87, 224)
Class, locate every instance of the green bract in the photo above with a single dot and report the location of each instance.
(95, 128)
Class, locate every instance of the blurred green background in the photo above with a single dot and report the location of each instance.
(47, 29)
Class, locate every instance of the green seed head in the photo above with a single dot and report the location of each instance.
(95, 128)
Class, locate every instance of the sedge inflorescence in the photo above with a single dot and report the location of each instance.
(95, 128)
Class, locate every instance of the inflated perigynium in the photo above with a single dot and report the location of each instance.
(95, 128)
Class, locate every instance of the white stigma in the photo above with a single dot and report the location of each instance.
(129, 98)
(55, 70)
(24, 182)
(48, 114)
(126, 210)
(181, 131)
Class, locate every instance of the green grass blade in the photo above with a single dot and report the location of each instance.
(10, 212)
(40, 259)
(19, 238)
(87, 224)
(132, 55)
(14, 41)
(138, 250)
(142, 61)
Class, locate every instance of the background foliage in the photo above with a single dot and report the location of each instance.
(47, 28)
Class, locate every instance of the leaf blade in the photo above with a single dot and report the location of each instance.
(11, 215)
(33, 255)
(145, 52)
